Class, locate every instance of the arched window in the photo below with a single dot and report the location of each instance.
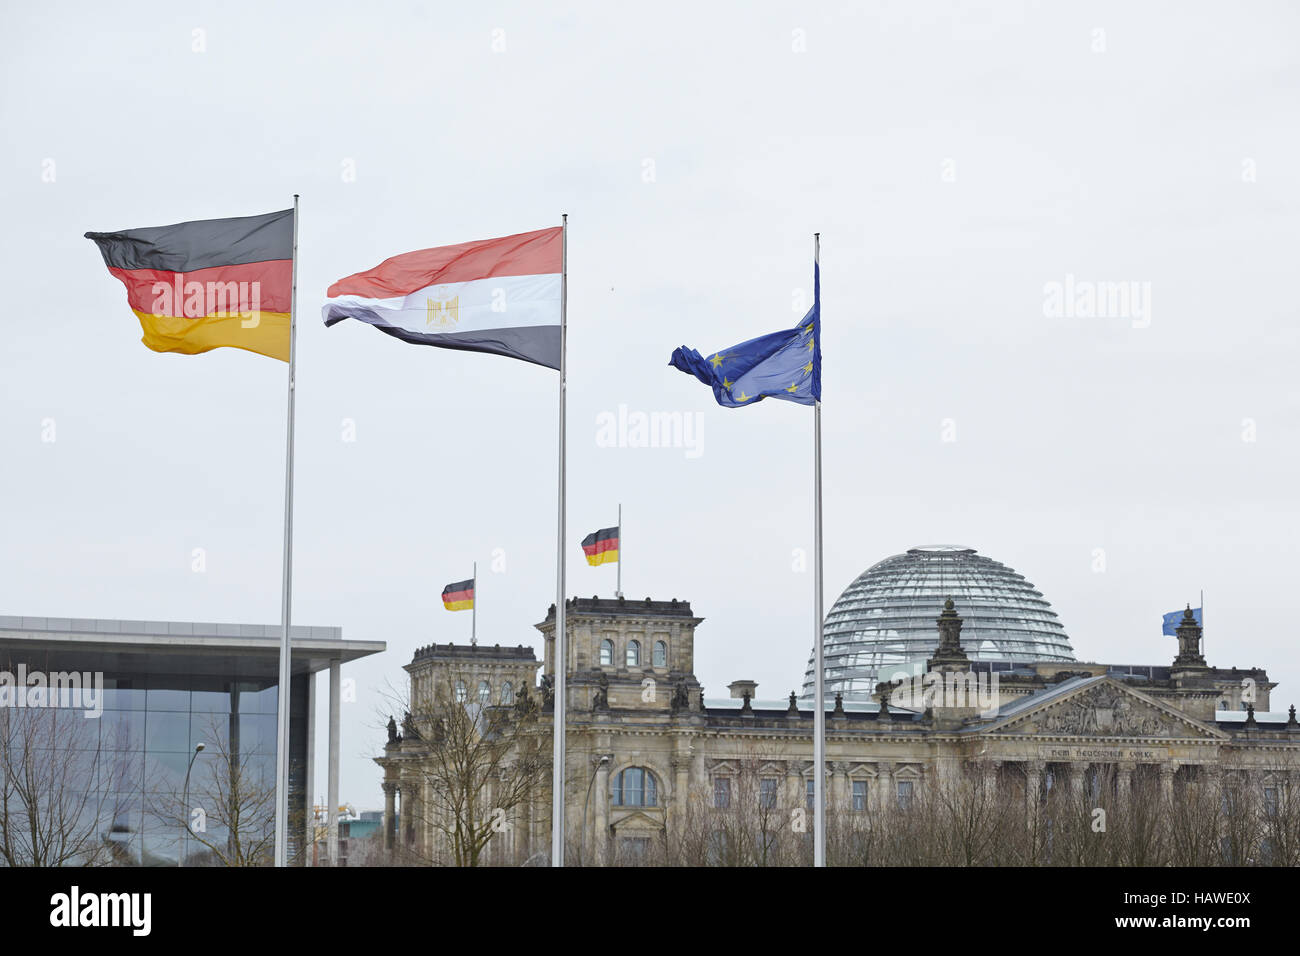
(635, 787)
(661, 654)
(507, 693)
(484, 693)
(633, 653)
(460, 692)
(607, 653)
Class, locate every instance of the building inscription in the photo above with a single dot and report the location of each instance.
(1141, 754)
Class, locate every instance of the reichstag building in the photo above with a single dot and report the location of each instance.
(951, 685)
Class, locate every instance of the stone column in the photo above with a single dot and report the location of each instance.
(390, 815)
(681, 793)
(840, 795)
(1213, 776)
(886, 790)
(793, 785)
(489, 854)
(989, 778)
(1078, 781)
(1124, 782)
(410, 809)
(528, 811)
(1033, 788)
(600, 824)
(1167, 771)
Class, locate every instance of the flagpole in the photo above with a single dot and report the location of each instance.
(618, 588)
(561, 634)
(473, 611)
(286, 600)
(819, 670)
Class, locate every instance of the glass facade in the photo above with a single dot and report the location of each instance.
(129, 766)
(884, 622)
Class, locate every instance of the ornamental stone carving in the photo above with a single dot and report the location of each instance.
(1106, 712)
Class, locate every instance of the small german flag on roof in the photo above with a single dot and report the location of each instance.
(601, 547)
(459, 596)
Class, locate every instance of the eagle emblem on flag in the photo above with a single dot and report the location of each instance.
(442, 313)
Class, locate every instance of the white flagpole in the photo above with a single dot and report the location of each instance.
(286, 600)
(819, 669)
(618, 588)
(561, 634)
(473, 611)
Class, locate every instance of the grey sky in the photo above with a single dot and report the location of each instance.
(956, 159)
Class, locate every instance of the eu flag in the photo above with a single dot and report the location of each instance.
(1174, 618)
(785, 365)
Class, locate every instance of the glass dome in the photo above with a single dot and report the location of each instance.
(884, 622)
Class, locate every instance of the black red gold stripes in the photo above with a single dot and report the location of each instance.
(459, 596)
(601, 547)
(210, 283)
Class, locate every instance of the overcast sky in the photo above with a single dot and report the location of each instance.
(957, 160)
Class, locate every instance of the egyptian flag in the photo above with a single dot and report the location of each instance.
(496, 295)
(458, 596)
(202, 285)
(601, 547)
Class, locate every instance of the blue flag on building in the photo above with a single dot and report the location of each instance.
(785, 365)
(1174, 618)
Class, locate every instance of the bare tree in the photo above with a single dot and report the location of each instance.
(965, 815)
(60, 788)
(1280, 811)
(474, 769)
(227, 815)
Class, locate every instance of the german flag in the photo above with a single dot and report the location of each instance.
(458, 596)
(601, 547)
(197, 286)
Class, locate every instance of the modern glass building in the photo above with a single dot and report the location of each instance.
(884, 622)
(116, 772)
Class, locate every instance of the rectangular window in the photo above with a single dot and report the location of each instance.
(810, 795)
(767, 793)
(904, 794)
(1270, 800)
(859, 795)
(719, 848)
(1228, 851)
(722, 792)
(634, 849)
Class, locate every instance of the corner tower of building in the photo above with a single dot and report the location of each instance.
(626, 654)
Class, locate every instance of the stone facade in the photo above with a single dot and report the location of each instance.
(644, 742)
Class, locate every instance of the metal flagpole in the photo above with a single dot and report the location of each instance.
(819, 670)
(561, 634)
(473, 611)
(286, 600)
(618, 588)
